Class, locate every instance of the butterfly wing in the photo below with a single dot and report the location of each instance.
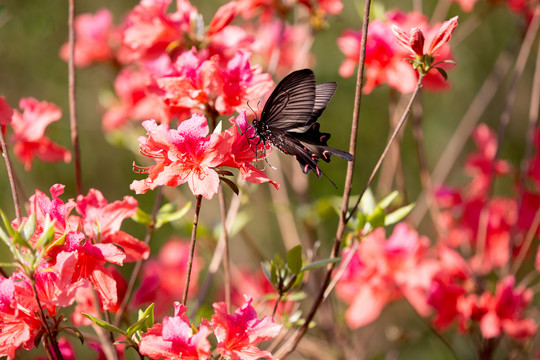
(292, 103)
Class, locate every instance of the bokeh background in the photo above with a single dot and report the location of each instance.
(32, 32)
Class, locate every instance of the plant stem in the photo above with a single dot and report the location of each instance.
(192, 249)
(72, 98)
(11, 177)
(138, 266)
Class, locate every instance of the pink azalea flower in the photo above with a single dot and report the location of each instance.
(188, 154)
(383, 59)
(90, 261)
(136, 100)
(94, 34)
(161, 276)
(19, 324)
(385, 270)
(199, 84)
(176, 339)
(6, 113)
(101, 220)
(223, 17)
(503, 312)
(29, 128)
(240, 334)
(182, 155)
(413, 41)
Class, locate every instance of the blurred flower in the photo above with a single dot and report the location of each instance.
(162, 275)
(29, 128)
(6, 113)
(240, 334)
(176, 338)
(382, 271)
(94, 37)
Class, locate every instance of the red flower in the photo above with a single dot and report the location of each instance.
(385, 270)
(102, 221)
(29, 128)
(19, 324)
(239, 334)
(6, 113)
(414, 41)
(176, 339)
(94, 35)
(189, 155)
(161, 276)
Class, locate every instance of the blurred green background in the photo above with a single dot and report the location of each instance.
(31, 33)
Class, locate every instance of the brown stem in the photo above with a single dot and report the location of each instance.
(226, 261)
(11, 177)
(288, 348)
(192, 249)
(138, 266)
(72, 98)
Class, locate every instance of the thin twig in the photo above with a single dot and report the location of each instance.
(192, 249)
(226, 261)
(72, 98)
(51, 337)
(11, 177)
(138, 266)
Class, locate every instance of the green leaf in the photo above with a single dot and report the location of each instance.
(294, 259)
(376, 218)
(5, 237)
(384, 203)
(368, 204)
(165, 217)
(29, 227)
(320, 263)
(105, 325)
(361, 221)
(142, 217)
(75, 331)
(398, 214)
(149, 314)
(139, 325)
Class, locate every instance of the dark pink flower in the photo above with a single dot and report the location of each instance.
(94, 37)
(240, 334)
(102, 220)
(161, 276)
(504, 311)
(29, 133)
(19, 323)
(6, 112)
(136, 100)
(90, 265)
(189, 154)
(176, 338)
(385, 270)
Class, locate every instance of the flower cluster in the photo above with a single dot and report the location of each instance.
(238, 335)
(384, 53)
(189, 154)
(455, 286)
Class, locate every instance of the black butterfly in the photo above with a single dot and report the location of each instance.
(289, 120)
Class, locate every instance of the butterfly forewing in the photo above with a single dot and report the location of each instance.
(291, 104)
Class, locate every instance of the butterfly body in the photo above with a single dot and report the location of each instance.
(289, 120)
